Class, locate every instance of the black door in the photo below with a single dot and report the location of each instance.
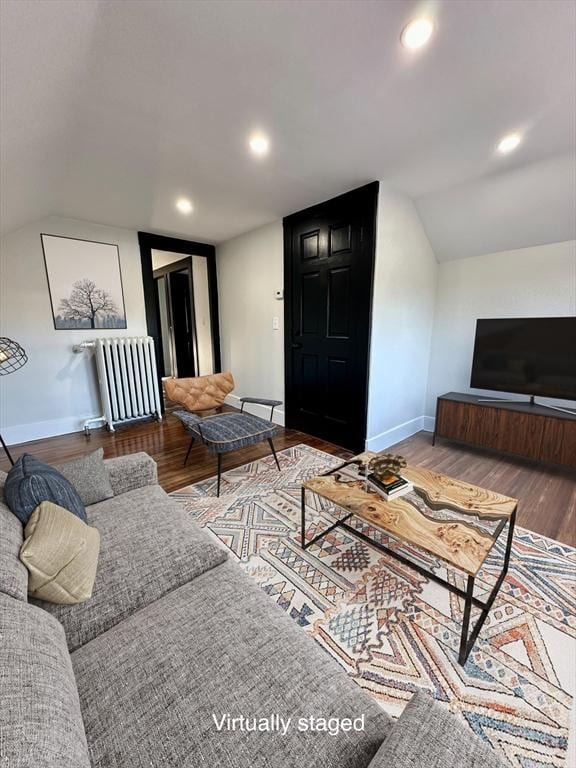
(182, 313)
(328, 272)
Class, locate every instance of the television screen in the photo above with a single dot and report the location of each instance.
(532, 356)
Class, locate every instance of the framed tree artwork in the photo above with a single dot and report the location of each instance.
(84, 282)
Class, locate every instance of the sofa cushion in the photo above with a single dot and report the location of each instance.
(31, 481)
(89, 477)
(428, 736)
(40, 720)
(61, 554)
(13, 574)
(148, 546)
(130, 472)
(217, 646)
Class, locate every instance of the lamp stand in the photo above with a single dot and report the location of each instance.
(12, 357)
(6, 450)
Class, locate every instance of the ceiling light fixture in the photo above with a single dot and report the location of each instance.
(259, 144)
(417, 33)
(184, 205)
(509, 143)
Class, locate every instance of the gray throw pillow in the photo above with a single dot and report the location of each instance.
(31, 481)
(89, 476)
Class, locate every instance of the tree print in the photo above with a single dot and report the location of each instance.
(86, 301)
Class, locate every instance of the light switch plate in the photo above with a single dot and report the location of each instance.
(275, 323)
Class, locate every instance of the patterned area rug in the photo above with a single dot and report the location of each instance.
(393, 630)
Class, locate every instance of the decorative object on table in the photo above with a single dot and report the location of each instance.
(386, 464)
(85, 283)
(12, 357)
(385, 476)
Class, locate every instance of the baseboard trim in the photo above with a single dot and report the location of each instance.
(399, 432)
(36, 430)
(428, 423)
(263, 411)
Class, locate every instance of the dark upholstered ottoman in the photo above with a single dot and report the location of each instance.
(227, 432)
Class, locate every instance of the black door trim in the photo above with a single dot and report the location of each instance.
(149, 242)
(367, 196)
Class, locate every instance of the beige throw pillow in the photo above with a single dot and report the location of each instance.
(61, 554)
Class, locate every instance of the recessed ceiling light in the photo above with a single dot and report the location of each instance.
(509, 143)
(417, 33)
(259, 144)
(184, 205)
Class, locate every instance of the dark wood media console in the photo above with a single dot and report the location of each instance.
(533, 431)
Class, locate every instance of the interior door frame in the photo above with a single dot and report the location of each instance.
(368, 196)
(148, 242)
(179, 266)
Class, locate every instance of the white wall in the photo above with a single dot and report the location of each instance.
(250, 269)
(163, 258)
(56, 390)
(402, 316)
(529, 282)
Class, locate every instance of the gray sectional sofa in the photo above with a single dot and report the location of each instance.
(174, 647)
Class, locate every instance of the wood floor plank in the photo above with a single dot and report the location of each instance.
(547, 494)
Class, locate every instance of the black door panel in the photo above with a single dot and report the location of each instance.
(182, 313)
(328, 268)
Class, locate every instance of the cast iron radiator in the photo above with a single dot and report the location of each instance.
(128, 379)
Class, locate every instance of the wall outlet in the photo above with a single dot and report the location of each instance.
(275, 323)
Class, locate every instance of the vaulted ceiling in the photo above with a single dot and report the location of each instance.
(112, 109)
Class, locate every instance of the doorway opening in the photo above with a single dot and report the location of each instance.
(181, 300)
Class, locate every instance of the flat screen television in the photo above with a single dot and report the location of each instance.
(532, 356)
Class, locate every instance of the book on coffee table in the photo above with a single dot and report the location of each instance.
(390, 486)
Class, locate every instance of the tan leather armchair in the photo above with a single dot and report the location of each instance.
(201, 393)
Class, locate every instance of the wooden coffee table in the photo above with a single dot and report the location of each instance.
(447, 518)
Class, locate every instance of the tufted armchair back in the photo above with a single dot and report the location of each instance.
(201, 393)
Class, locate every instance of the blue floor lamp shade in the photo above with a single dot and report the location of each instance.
(12, 357)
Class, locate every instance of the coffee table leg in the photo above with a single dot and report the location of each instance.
(466, 620)
(511, 526)
(466, 643)
(303, 516)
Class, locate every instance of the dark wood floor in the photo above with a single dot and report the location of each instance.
(547, 494)
(166, 442)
